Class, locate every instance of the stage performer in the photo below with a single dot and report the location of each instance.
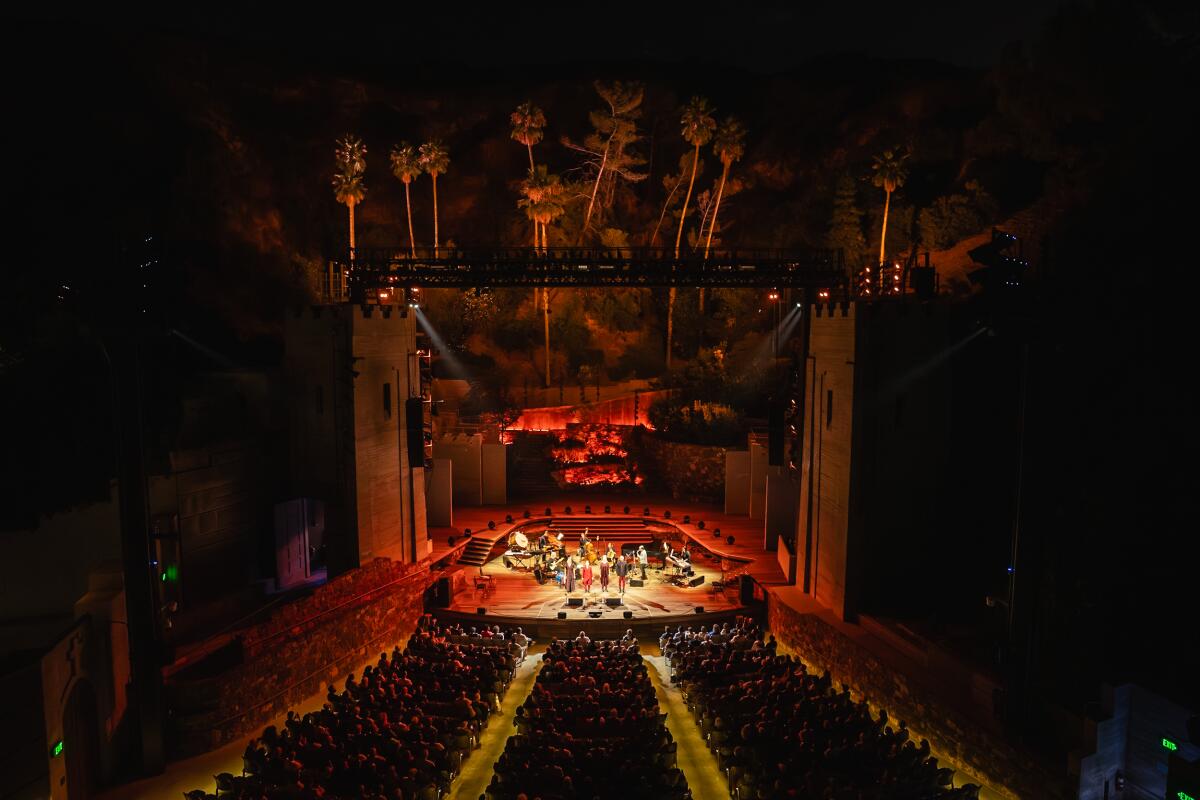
(666, 554)
(586, 574)
(622, 569)
(611, 552)
(569, 576)
(604, 574)
(643, 559)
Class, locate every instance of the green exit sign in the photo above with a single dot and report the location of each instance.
(1169, 745)
(57, 750)
(1184, 796)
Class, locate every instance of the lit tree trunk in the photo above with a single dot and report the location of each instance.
(350, 206)
(711, 226)
(663, 215)
(687, 198)
(530, 147)
(716, 210)
(595, 188)
(412, 242)
(678, 238)
(436, 241)
(546, 324)
(883, 236)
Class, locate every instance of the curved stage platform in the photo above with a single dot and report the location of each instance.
(483, 579)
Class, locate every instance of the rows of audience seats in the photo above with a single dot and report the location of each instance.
(778, 730)
(590, 728)
(400, 730)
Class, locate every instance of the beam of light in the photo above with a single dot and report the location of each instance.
(453, 365)
(207, 351)
(765, 351)
(929, 365)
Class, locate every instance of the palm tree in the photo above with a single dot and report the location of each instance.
(729, 145)
(350, 156)
(698, 125)
(543, 204)
(435, 160)
(890, 174)
(406, 165)
(527, 124)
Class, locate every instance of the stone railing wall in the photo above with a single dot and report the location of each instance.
(305, 647)
(691, 472)
(957, 741)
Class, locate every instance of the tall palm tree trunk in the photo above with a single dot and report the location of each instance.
(686, 199)
(350, 206)
(678, 238)
(546, 325)
(716, 210)
(530, 148)
(663, 215)
(436, 240)
(412, 242)
(883, 236)
(708, 241)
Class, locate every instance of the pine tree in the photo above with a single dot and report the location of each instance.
(845, 227)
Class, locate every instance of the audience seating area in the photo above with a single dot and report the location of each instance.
(779, 731)
(591, 728)
(400, 730)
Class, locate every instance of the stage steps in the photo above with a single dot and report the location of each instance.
(476, 552)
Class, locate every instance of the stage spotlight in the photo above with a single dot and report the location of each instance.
(700, 524)
(508, 519)
(491, 524)
(687, 519)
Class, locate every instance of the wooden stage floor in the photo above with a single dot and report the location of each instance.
(515, 593)
(513, 596)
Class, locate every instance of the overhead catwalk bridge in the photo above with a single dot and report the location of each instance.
(368, 272)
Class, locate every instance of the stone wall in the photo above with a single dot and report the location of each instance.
(691, 472)
(303, 648)
(957, 741)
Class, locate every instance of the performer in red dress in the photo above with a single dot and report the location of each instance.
(604, 573)
(586, 576)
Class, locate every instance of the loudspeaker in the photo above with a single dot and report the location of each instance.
(575, 602)
(696, 581)
(612, 602)
(481, 610)
(414, 418)
(441, 596)
(636, 582)
(628, 615)
(699, 609)
(775, 435)
(594, 614)
(562, 615)
(746, 590)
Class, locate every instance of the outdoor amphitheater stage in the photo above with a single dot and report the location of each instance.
(488, 587)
